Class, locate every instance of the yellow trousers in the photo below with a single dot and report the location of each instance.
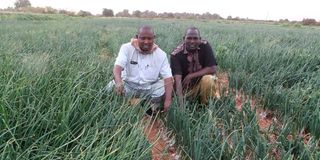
(207, 88)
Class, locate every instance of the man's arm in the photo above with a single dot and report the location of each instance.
(119, 65)
(117, 78)
(200, 73)
(178, 85)
(168, 87)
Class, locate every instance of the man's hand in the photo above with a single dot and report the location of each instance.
(177, 79)
(119, 88)
(181, 102)
(168, 87)
(186, 81)
(166, 106)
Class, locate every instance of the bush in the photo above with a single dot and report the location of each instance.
(22, 4)
(84, 13)
(308, 21)
(69, 13)
(107, 12)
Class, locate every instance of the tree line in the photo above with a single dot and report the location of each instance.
(25, 6)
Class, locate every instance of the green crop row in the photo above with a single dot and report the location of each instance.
(53, 103)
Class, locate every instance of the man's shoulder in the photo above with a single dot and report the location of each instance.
(160, 52)
(204, 45)
(204, 42)
(127, 45)
(178, 49)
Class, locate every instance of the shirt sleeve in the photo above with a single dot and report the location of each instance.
(165, 71)
(175, 65)
(121, 60)
(210, 59)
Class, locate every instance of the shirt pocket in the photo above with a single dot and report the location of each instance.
(133, 70)
(151, 72)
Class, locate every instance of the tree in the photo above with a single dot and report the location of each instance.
(124, 13)
(216, 16)
(136, 13)
(84, 13)
(284, 21)
(107, 12)
(148, 14)
(22, 4)
(309, 21)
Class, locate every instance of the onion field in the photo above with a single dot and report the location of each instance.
(54, 104)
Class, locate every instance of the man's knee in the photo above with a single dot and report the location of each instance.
(208, 80)
(209, 88)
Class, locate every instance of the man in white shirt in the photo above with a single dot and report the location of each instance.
(142, 70)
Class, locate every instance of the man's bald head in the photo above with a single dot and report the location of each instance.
(145, 28)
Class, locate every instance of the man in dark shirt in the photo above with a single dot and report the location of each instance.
(193, 67)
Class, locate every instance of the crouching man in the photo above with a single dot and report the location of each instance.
(142, 71)
(194, 66)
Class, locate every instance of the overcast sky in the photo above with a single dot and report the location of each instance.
(253, 9)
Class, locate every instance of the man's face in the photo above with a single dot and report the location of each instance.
(192, 39)
(146, 39)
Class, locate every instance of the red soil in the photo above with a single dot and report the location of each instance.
(265, 117)
(162, 150)
(155, 131)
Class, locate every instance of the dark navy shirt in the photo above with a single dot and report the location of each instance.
(179, 63)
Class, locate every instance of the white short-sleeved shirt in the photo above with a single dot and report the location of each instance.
(143, 69)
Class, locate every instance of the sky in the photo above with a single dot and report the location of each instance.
(252, 9)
